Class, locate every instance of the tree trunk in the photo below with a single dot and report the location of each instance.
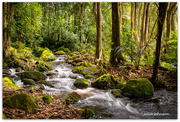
(139, 19)
(99, 33)
(161, 19)
(6, 39)
(143, 26)
(146, 24)
(135, 24)
(114, 59)
(132, 19)
(173, 21)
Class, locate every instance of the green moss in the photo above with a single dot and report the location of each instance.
(88, 76)
(91, 52)
(77, 69)
(9, 83)
(42, 66)
(21, 100)
(37, 51)
(83, 51)
(38, 87)
(47, 56)
(73, 97)
(102, 82)
(66, 50)
(117, 93)
(35, 75)
(27, 81)
(4, 116)
(47, 98)
(87, 113)
(81, 83)
(138, 88)
(60, 52)
(87, 64)
(90, 71)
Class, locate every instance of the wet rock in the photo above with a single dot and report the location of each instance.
(138, 88)
(73, 76)
(47, 83)
(72, 98)
(51, 73)
(6, 72)
(27, 81)
(81, 83)
(38, 87)
(21, 100)
(35, 75)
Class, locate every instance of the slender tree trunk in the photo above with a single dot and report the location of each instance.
(173, 21)
(146, 23)
(139, 20)
(143, 26)
(132, 19)
(99, 33)
(114, 59)
(120, 21)
(135, 25)
(161, 19)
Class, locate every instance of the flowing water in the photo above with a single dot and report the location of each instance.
(163, 105)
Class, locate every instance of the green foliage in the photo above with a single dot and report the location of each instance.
(37, 51)
(87, 64)
(21, 100)
(81, 83)
(83, 51)
(47, 98)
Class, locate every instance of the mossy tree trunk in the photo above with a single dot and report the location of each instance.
(161, 19)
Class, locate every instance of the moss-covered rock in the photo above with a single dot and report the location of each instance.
(21, 100)
(27, 81)
(138, 88)
(87, 113)
(90, 71)
(60, 52)
(88, 76)
(47, 98)
(117, 93)
(35, 75)
(81, 83)
(83, 51)
(64, 49)
(42, 66)
(77, 69)
(72, 97)
(19, 69)
(47, 56)
(90, 51)
(37, 51)
(105, 81)
(9, 83)
(51, 73)
(87, 64)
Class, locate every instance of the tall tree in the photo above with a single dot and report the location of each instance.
(146, 23)
(116, 55)
(99, 32)
(161, 19)
(6, 27)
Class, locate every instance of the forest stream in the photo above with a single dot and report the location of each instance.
(163, 105)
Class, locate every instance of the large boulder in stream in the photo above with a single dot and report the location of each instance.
(47, 56)
(72, 98)
(21, 100)
(35, 75)
(81, 83)
(138, 88)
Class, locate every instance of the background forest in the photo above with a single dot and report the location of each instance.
(108, 44)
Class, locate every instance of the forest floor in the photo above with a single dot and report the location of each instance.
(54, 110)
(165, 78)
